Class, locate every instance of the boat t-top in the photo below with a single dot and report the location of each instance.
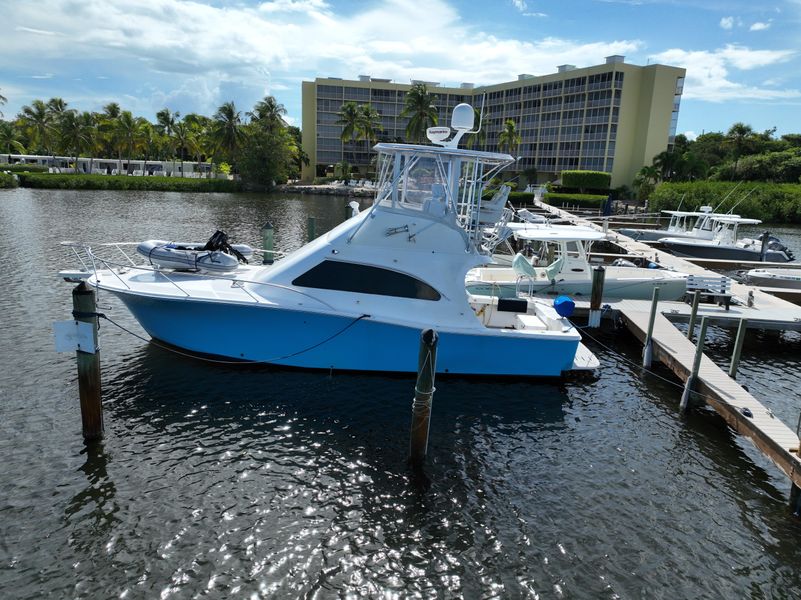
(696, 224)
(358, 297)
(555, 261)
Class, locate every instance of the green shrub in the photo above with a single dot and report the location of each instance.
(322, 180)
(514, 197)
(123, 182)
(582, 200)
(20, 168)
(586, 180)
(772, 202)
(7, 180)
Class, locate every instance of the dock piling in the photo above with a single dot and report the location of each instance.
(423, 397)
(647, 349)
(84, 308)
(596, 296)
(267, 243)
(763, 252)
(311, 226)
(738, 348)
(690, 383)
(693, 314)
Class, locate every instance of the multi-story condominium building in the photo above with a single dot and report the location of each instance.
(613, 117)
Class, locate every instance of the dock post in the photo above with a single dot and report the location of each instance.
(606, 225)
(267, 243)
(795, 499)
(311, 226)
(690, 383)
(693, 314)
(647, 349)
(764, 250)
(423, 397)
(738, 348)
(596, 296)
(84, 308)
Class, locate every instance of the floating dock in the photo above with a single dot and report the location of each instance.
(744, 413)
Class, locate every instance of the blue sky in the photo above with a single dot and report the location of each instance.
(743, 59)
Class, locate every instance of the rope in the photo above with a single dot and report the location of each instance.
(226, 362)
(644, 369)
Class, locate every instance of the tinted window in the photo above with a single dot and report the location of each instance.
(350, 277)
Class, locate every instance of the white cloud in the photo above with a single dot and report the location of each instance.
(758, 26)
(42, 76)
(691, 135)
(709, 72)
(200, 51)
(727, 22)
(520, 5)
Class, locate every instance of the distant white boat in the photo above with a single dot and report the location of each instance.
(725, 244)
(777, 278)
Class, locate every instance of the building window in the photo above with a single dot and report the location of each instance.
(364, 279)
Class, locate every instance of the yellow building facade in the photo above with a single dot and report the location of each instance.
(613, 117)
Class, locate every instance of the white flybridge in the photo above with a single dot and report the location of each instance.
(357, 297)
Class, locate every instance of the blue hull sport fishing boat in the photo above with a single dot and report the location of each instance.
(358, 297)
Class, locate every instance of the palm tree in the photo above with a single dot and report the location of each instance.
(349, 117)
(369, 125)
(109, 131)
(130, 133)
(3, 100)
(228, 134)
(269, 113)
(72, 134)
(420, 110)
(165, 125)
(668, 163)
(509, 138)
(89, 122)
(738, 137)
(57, 106)
(39, 122)
(10, 138)
(182, 134)
(200, 127)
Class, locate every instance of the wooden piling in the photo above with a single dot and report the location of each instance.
(423, 397)
(268, 243)
(690, 383)
(647, 349)
(84, 308)
(693, 314)
(596, 296)
(738, 348)
(311, 226)
(763, 252)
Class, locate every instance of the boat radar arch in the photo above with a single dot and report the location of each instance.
(462, 120)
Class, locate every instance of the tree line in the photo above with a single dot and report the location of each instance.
(740, 154)
(258, 144)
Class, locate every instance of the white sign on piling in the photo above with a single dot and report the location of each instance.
(72, 336)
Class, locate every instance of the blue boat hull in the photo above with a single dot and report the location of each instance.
(318, 341)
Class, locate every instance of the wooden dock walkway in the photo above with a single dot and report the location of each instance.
(744, 413)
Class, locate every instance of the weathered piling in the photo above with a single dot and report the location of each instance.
(738, 347)
(84, 308)
(763, 252)
(648, 349)
(596, 296)
(693, 314)
(423, 397)
(311, 226)
(268, 243)
(699, 353)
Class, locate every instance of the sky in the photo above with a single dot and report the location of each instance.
(743, 58)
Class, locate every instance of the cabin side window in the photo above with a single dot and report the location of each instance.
(364, 279)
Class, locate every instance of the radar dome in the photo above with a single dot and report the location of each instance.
(462, 117)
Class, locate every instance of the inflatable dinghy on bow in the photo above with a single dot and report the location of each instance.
(215, 256)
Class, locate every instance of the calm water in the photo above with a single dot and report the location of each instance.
(248, 482)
